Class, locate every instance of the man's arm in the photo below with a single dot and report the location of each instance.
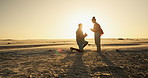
(85, 35)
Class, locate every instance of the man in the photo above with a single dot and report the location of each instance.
(80, 39)
(97, 33)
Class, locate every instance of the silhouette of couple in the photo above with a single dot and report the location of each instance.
(80, 37)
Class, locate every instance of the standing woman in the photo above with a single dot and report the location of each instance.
(97, 34)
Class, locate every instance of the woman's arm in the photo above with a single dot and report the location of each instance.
(94, 30)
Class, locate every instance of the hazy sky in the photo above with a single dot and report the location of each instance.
(47, 19)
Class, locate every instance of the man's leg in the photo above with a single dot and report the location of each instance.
(80, 44)
(85, 43)
(71, 48)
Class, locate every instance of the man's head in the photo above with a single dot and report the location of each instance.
(94, 20)
(80, 25)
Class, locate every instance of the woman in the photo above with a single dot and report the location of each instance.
(97, 33)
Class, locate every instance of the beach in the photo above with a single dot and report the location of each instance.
(52, 58)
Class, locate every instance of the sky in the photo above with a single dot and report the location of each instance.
(59, 19)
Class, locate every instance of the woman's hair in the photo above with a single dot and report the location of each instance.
(94, 19)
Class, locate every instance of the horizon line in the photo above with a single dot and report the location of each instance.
(65, 38)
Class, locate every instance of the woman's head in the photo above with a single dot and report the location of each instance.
(94, 20)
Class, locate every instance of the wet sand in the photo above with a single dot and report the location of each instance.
(52, 58)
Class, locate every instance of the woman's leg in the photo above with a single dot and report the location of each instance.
(97, 41)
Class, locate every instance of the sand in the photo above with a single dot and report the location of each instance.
(127, 58)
